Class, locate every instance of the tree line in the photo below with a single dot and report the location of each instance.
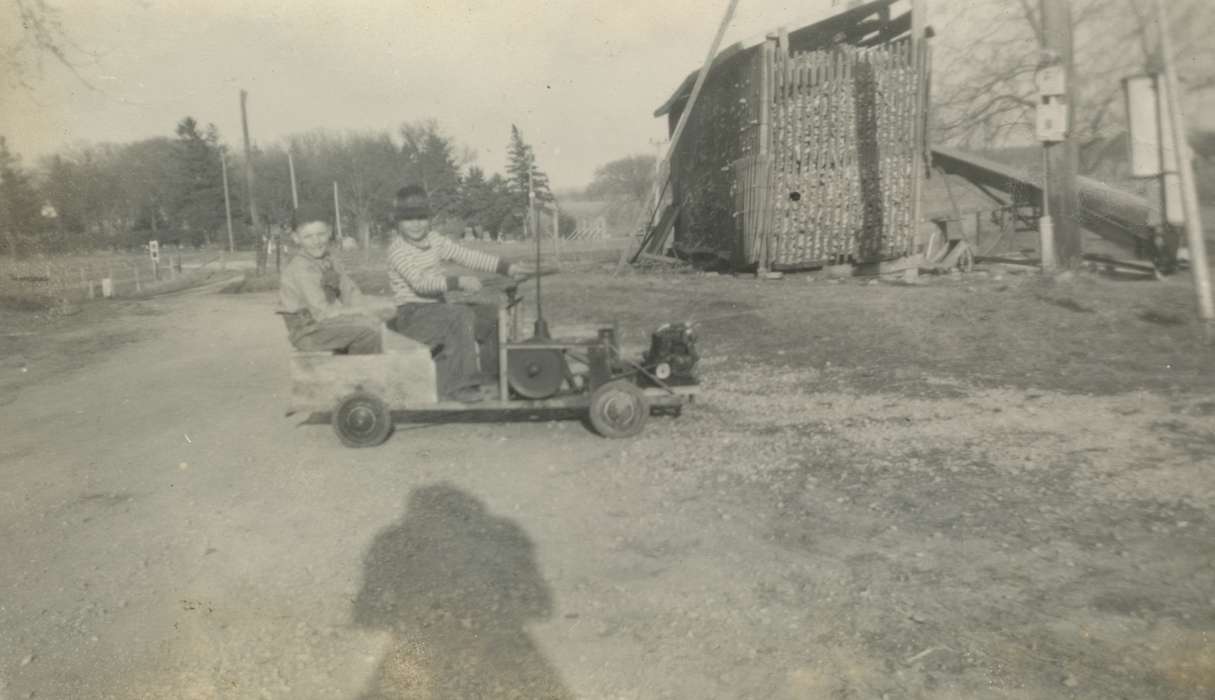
(119, 196)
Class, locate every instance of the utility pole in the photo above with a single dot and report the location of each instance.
(337, 212)
(295, 208)
(223, 163)
(254, 220)
(919, 21)
(295, 198)
(1189, 193)
(556, 235)
(244, 125)
(1060, 196)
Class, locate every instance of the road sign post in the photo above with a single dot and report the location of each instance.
(154, 254)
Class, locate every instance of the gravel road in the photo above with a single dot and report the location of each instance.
(168, 533)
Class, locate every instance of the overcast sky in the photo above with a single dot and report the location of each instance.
(581, 78)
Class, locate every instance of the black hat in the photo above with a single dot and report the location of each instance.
(411, 202)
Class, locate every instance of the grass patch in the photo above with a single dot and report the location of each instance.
(1162, 319)
(179, 283)
(1069, 304)
(27, 302)
(983, 332)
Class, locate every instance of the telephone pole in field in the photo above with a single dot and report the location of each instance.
(1189, 191)
(244, 126)
(254, 219)
(1062, 158)
(223, 163)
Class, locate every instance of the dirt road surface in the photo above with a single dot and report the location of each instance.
(861, 507)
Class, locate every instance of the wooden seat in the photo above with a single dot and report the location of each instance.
(403, 375)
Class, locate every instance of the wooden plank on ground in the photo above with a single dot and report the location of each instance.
(889, 267)
(657, 240)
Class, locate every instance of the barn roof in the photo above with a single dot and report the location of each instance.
(862, 25)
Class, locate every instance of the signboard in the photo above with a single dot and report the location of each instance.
(1150, 140)
(154, 249)
(1050, 123)
(1051, 81)
(1148, 123)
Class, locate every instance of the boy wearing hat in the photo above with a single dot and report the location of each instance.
(323, 307)
(420, 286)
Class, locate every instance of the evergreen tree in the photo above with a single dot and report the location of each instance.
(474, 197)
(520, 160)
(502, 215)
(430, 160)
(80, 186)
(521, 164)
(199, 196)
(20, 210)
(60, 189)
(148, 177)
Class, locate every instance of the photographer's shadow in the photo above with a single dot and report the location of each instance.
(456, 586)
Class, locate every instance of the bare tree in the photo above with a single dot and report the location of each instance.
(366, 165)
(40, 35)
(988, 51)
(630, 177)
(434, 160)
(370, 171)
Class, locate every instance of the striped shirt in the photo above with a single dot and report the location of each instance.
(415, 272)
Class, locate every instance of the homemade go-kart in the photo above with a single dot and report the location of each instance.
(541, 372)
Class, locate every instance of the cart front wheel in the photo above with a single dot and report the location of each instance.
(619, 409)
(362, 420)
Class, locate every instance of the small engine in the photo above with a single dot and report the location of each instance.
(672, 355)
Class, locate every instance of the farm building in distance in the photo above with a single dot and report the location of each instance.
(804, 147)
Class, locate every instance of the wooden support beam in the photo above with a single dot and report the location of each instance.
(888, 267)
(1189, 193)
(652, 208)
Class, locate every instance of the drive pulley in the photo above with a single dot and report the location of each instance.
(535, 373)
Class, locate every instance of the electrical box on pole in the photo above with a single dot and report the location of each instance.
(1056, 83)
(1051, 113)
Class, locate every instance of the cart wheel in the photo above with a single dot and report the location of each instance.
(619, 409)
(362, 420)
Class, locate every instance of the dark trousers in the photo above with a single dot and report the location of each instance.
(453, 332)
(354, 335)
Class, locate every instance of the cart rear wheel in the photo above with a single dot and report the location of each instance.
(362, 420)
(619, 409)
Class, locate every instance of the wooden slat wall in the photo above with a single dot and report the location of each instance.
(843, 140)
